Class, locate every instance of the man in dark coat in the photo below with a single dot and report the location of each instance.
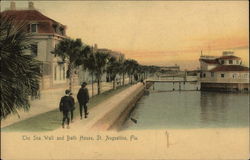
(66, 105)
(83, 99)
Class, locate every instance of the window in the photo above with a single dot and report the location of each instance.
(33, 49)
(222, 75)
(55, 28)
(222, 61)
(230, 61)
(235, 75)
(237, 61)
(33, 28)
(212, 74)
(204, 75)
(61, 30)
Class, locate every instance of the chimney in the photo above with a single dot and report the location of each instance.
(31, 5)
(12, 5)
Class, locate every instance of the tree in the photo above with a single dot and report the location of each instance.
(100, 61)
(89, 64)
(71, 50)
(131, 66)
(96, 63)
(20, 73)
(122, 68)
(113, 69)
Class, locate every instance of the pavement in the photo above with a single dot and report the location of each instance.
(49, 100)
(113, 107)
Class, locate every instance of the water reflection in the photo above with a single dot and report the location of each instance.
(224, 109)
(213, 107)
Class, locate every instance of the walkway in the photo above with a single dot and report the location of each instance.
(49, 101)
(112, 107)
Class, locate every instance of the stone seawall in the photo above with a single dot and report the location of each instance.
(117, 108)
(149, 84)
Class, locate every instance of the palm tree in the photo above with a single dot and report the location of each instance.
(144, 70)
(89, 64)
(73, 51)
(113, 69)
(100, 61)
(131, 66)
(127, 67)
(20, 73)
(122, 69)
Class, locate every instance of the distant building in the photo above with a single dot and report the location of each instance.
(45, 34)
(224, 73)
(170, 68)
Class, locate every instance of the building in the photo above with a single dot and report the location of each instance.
(45, 33)
(174, 68)
(169, 71)
(225, 73)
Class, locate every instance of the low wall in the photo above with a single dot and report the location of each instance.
(149, 84)
(117, 108)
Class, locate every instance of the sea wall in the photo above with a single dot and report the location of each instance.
(116, 109)
(149, 84)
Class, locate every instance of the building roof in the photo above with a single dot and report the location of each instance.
(228, 68)
(229, 57)
(29, 15)
(45, 23)
(210, 61)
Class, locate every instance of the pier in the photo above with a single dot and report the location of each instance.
(172, 81)
(180, 80)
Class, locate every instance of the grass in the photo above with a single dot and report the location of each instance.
(52, 120)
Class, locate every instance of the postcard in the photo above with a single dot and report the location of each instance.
(124, 80)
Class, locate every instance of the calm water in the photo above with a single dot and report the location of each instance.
(164, 108)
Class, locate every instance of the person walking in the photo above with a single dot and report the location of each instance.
(83, 99)
(66, 105)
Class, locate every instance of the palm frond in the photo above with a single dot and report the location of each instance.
(20, 73)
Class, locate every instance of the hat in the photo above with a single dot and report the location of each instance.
(67, 91)
(84, 83)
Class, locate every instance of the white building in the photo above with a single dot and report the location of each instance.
(224, 73)
(45, 34)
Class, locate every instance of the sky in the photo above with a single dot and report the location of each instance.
(155, 32)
